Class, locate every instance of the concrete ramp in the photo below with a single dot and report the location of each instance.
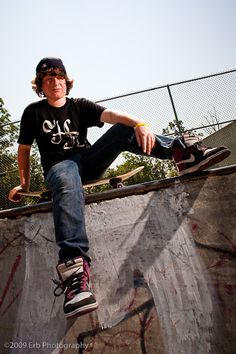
(163, 271)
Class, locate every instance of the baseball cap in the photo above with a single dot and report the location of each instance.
(49, 63)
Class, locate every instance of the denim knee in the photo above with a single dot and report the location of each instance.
(63, 176)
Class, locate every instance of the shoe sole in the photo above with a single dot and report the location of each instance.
(208, 162)
(82, 310)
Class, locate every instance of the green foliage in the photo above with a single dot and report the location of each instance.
(8, 161)
(8, 131)
(9, 176)
(154, 169)
(174, 128)
(36, 170)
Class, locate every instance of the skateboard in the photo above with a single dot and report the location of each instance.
(115, 182)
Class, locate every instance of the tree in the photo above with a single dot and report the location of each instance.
(173, 128)
(9, 176)
(8, 133)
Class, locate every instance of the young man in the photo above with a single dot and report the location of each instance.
(59, 125)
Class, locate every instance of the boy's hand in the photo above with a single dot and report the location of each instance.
(13, 195)
(145, 138)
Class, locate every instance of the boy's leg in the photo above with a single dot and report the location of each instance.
(119, 138)
(64, 181)
(187, 151)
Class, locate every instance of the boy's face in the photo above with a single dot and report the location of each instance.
(54, 86)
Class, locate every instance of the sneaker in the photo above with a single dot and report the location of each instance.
(74, 282)
(197, 156)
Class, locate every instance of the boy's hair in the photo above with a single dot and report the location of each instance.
(37, 82)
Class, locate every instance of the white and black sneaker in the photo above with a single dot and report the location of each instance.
(196, 156)
(74, 277)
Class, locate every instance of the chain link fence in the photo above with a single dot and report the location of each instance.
(204, 104)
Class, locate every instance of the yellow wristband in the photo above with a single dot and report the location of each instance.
(141, 125)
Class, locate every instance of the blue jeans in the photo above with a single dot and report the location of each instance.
(65, 181)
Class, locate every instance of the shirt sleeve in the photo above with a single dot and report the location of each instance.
(26, 136)
(91, 112)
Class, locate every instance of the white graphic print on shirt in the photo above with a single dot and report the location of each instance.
(57, 134)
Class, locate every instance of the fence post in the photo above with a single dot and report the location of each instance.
(173, 106)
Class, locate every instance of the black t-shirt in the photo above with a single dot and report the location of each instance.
(60, 132)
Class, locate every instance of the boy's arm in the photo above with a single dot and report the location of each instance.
(24, 172)
(145, 138)
(24, 166)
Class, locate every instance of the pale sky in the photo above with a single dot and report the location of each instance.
(112, 47)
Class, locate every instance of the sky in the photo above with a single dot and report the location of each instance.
(113, 47)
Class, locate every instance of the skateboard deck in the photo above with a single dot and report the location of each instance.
(115, 182)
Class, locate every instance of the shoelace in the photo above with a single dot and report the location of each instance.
(60, 285)
(70, 282)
